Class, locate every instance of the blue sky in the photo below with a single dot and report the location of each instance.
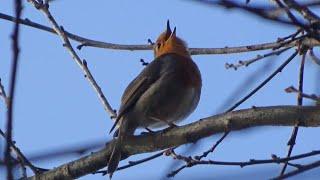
(56, 107)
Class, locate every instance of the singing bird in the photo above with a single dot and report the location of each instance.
(166, 91)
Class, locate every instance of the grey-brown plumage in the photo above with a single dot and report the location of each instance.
(166, 91)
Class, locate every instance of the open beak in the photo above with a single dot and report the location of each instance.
(169, 33)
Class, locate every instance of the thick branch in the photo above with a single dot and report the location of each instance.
(236, 120)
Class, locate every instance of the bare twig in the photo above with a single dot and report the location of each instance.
(288, 12)
(278, 70)
(303, 10)
(82, 64)
(236, 93)
(264, 13)
(14, 69)
(291, 36)
(205, 154)
(258, 57)
(292, 140)
(274, 160)
(4, 94)
(300, 170)
(258, 11)
(313, 19)
(292, 89)
(22, 158)
(314, 57)
(193, 51)
(244, 86)
(134, 163)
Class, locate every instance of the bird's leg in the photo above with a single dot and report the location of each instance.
(149, 131)
(170, 124)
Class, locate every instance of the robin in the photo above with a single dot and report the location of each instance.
(166, 91)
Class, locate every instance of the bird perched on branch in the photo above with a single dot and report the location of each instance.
(166, 91)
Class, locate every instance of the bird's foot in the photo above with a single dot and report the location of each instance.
(149, 131)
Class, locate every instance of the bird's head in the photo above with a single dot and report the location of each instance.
(168, 42)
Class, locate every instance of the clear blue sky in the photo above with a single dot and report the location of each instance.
(56, 107)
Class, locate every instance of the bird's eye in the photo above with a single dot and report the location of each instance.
(158, 45)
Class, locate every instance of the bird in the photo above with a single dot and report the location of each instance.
(165, 92)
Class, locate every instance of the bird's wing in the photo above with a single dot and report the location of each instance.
(137, 87)
(130, 96)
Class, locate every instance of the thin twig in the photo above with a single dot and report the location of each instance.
(308, 29)
(300, 170)
(193, 162)
(246, 63)
(134, 163)
(291, 36)
(205, 154)
(22, 158)
(4, 95)
(193, 51)
(314, 57)
(288, 12)
(278, 70)
(82, 64)
(14, 69)
(292, 89)
(258, 11)
(292, 140)
(303, 10)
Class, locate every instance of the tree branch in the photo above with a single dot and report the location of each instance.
(13, 75)
(193, 51)
(302, 169)
(44, 8)
(292, 140)
(303, 10)
(236, 120)
(190, 162)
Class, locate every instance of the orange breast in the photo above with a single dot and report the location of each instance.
(192, 75)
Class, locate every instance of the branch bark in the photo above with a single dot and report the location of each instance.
(309, 116)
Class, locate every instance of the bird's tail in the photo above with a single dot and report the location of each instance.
(115, 156)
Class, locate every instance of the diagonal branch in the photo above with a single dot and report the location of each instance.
(314, 57)
(300, 170)
(292, 140)
(303, 10)
(236, 120)
(82, 64)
